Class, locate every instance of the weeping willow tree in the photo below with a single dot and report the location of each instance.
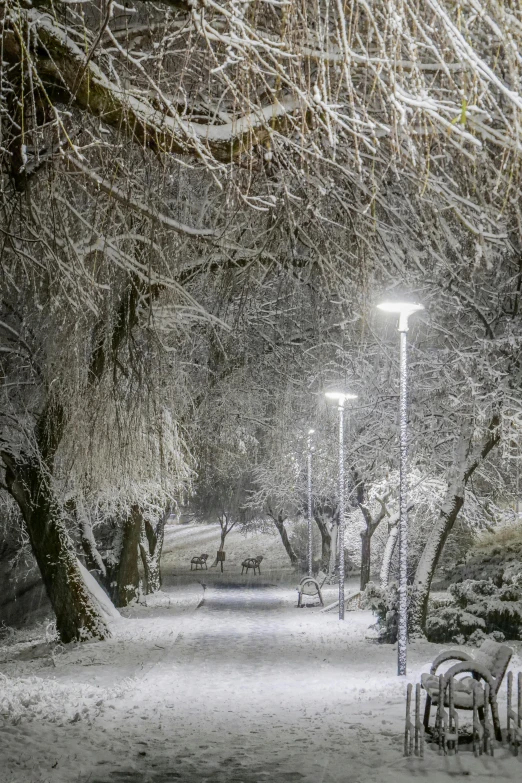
(166, 166)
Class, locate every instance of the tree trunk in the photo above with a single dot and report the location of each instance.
(151, 545)
(365, 557)
(279, 522)
(77, 616)
(334, 534)
(225, 529)
(326, 540)
(389, 549)
(372, 523)
(453, 502)
(127, 580)
(93, 559)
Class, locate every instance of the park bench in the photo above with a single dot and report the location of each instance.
(199, 560)
(310, 586)
(489, 664)
(252, 562)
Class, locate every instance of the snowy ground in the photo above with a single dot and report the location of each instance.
(230, 684)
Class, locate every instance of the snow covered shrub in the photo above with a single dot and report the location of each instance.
(497, 636)
(476, 638)
(468, 591)
(299, 540)
(452, 624)
(385, 604)
(496, 556)
(500, 608)
(479, 606)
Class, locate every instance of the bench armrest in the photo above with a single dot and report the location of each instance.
(476, 669)
(310, 579)
(449, 655)
(307, 579)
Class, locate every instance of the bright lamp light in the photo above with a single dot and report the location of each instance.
(311, 432)
(341, 396)
(402, 309)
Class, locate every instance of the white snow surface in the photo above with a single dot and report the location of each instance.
(230, 683)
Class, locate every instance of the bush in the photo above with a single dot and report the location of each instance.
(451, 624)
(477, 637)
(385, 604)
(481, 609)
(298, 535)
(467, 592)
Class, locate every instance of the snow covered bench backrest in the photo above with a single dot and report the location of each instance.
(495, 657)
(309, 584)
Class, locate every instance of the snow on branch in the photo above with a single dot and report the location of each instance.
(66, 68)
(115, 192)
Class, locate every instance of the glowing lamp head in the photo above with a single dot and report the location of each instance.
(402, 309)
(340, 397)
(311, 432)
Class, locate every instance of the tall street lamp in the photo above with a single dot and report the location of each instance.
(310, 546)
(341, 397)
(403, 310)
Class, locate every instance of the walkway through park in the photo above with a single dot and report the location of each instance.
(226, 683)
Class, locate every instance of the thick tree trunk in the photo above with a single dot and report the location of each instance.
(326, 540)
(466, 465)
(77, 616)
(127, 580)
(151, 545)
(279, 522)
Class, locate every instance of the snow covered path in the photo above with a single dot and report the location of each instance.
(244, 689)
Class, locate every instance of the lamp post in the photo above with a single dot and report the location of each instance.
(310, 511)
(341, 397)
(403, 310)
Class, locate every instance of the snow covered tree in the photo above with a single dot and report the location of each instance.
(175, 172)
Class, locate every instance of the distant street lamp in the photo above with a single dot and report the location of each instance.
(310, 546)
(341, 397)
(403, 310)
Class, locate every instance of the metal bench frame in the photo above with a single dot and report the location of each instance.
(252, 562)
(199, 560)
(308, 583)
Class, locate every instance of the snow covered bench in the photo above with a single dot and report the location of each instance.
(252, 562)
(310, 586)
(199, 560)
(489, 664)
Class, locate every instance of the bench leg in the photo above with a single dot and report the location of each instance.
(320, 596)
(299, 594)
(427, 710)
(496, 720)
